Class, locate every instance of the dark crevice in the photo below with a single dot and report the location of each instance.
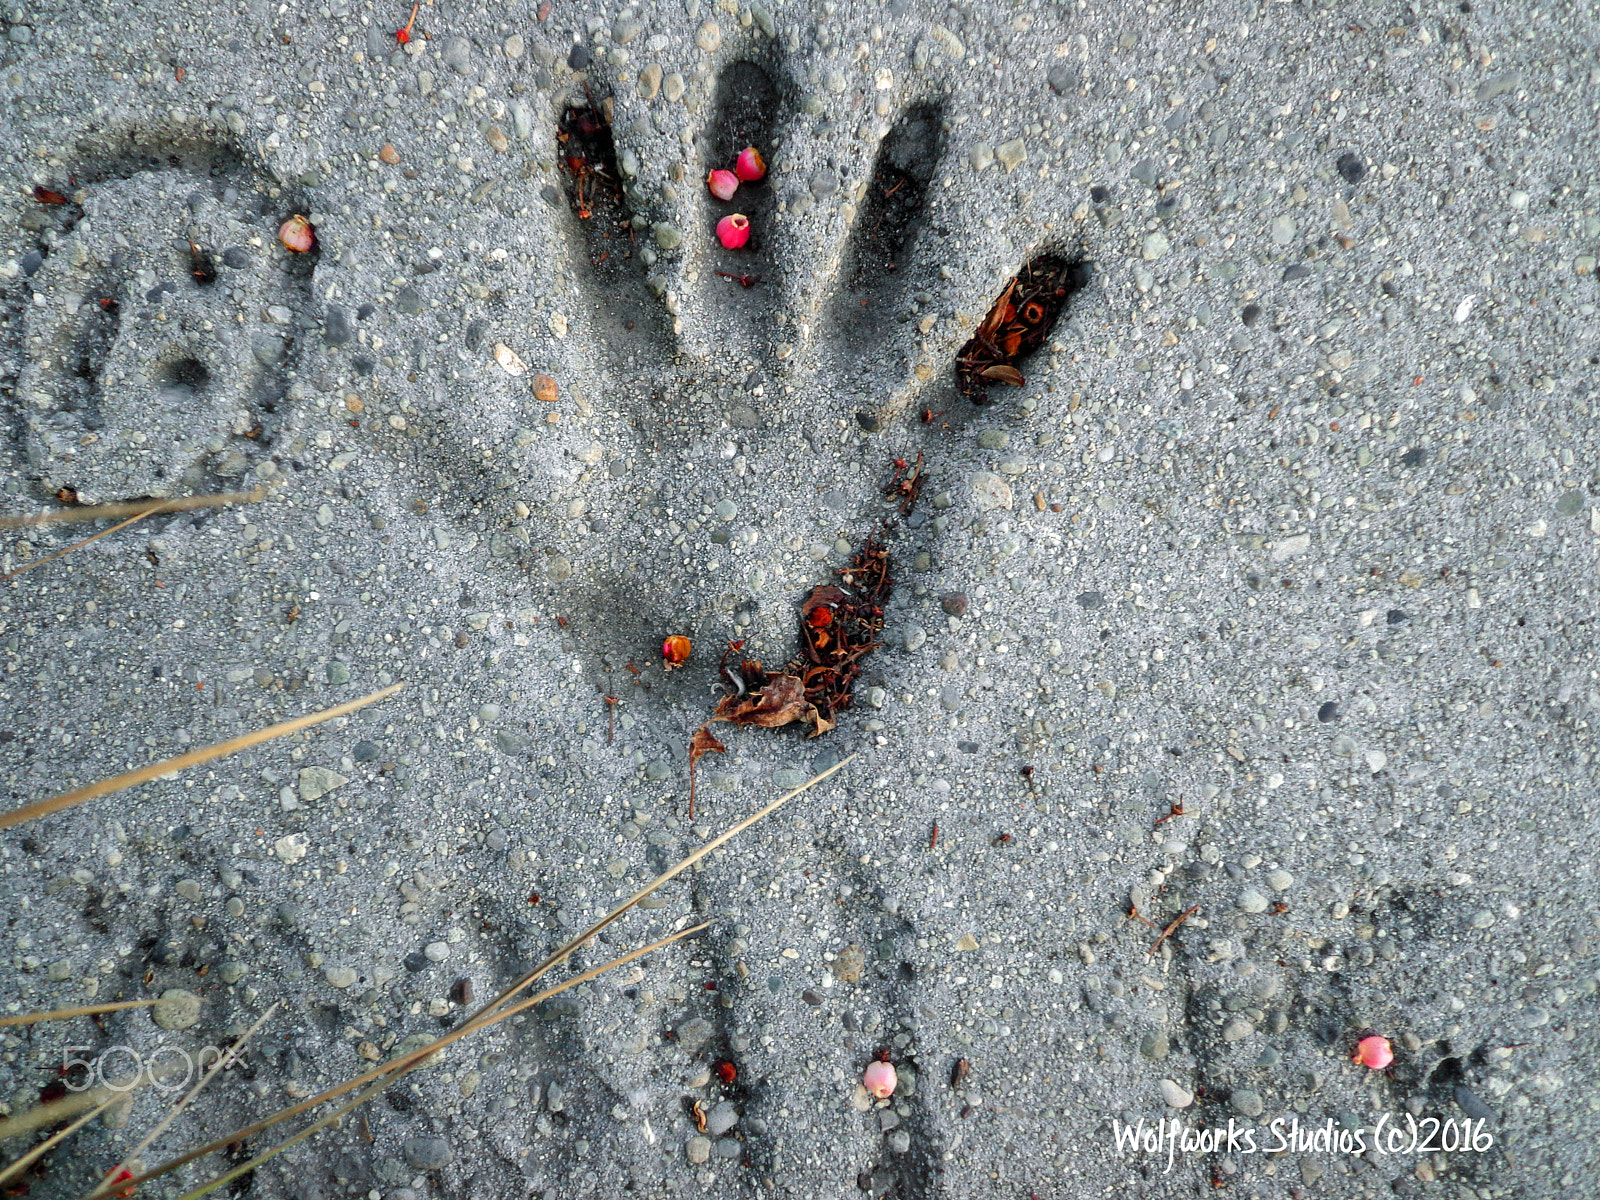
(893, 210)
(1020, 322)
(598, 202)
(892, 215)
(743, 113)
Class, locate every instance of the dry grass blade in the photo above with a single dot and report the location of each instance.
(11, 1170)
(39, 562)
(490, 1012)
(61, 1014)
(172, 1115)
(391, 1072)
(116, 783)
(655, 883)
(102, 512)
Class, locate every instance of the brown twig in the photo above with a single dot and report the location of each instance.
(61, 1014)
(39, 562)
(101, 512)
(1176, 921)
(43, 808)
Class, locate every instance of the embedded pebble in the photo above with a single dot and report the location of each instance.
(1174, 1095)
(427, 1153)
(177, 1009)
(1252, 901)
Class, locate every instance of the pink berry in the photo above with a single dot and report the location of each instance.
(733, 230)
(880, 1080)
(296, 233)
(750, 166)
(1374, 1052)
(723, 184)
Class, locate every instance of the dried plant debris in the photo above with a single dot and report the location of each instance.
(906, 485)
(839, 626)
(594, 187)
(1018, 324)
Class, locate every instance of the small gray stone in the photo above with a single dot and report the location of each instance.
(667, 235)
(656, 770)
(721, 1119)
(436, 951)
(1063, 79)
(558, 568)
(673, 87)
(649, 82)
(698, 1149)
(899, 1142)
(990, 491)
(708, 37)
(994, 439)
(727, 510)
(513, 46)
(915, 636)
(624, 29)
(1154, 246)
(1237, 1030)
(511, 741)
(1247, 1102)
(1472, 1106)
(408, 302)
(231, 971)
(694, 1033)
(1174, 1095)
(426, 1153)
(1509, 81)
(1154, 1046)
(1283, 230)
(177, 1009)
(1280, 880)
(317, 782)
(339, 977)
(1011, 154)
(458, 55)
(1252, 901)
(338, 673)
(981, 157)
(336, 327)
(950, 698)
(824, 184)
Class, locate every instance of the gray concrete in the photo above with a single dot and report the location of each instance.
(1293, 524)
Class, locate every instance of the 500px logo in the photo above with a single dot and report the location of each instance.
(167, 1067)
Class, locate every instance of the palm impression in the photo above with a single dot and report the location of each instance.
(161, 334)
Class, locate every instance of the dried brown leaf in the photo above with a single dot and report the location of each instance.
(783, 700)
(1001, 373)
(702, 743)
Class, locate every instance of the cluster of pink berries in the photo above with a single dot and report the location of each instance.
(733, 231)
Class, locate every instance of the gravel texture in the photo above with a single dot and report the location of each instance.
(1267, 602)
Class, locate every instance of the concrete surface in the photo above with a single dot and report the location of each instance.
(1292, 525)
